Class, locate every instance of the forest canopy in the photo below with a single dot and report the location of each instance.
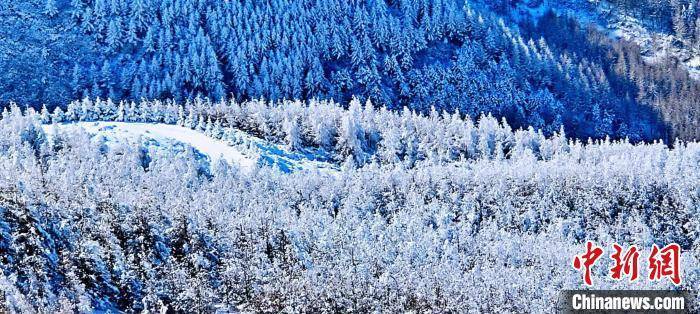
(453, 55)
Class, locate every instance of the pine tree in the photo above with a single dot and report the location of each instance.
(217, 131)
(349, 138)
(121, 112)
(76, 82)
(201, 125)
(45, 115)
(50, 8)
(58, 115)
(293, 133)
(181, 119)
(208, 127)
(98, 110)
(72, 112)
(132, 113)
(191, 121)
(114, 34)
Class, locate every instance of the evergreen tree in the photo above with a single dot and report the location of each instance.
(50, 8)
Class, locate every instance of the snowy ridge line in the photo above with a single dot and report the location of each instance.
(235, 147)
(323, 131)
(211, 147)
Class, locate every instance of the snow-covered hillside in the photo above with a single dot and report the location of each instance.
(655, 43)
(246, 151)
(428, 213)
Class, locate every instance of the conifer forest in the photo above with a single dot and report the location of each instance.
(343, 156)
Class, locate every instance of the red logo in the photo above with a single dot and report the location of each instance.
(663, 263)
(588, 259)
(625, 264)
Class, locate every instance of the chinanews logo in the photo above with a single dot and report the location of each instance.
(661, 263)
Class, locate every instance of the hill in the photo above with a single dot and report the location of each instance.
(487, 220)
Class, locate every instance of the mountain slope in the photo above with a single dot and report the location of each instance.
(453, 55)
(653, 26)
(645, 50)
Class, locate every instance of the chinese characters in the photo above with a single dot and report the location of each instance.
(662, 262)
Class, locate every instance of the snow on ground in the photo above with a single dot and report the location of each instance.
(246, 151)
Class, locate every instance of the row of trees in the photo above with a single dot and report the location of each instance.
(356, 136)
(86, 226)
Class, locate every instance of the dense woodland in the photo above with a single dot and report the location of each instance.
(662, 82)
(472, 153)
(87, 226)
(453, 55)
(665, 85)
